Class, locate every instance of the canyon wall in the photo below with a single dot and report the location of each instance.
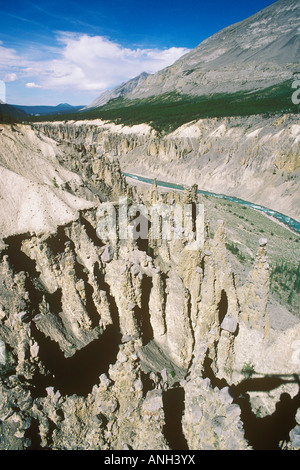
(254, 158)
(131, 344)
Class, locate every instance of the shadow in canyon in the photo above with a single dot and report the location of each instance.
(173, 402)
(262, 433)
(269, 432)
(79, 373)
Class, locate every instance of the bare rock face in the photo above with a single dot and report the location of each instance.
(177, 314)
(211, 419)
(123, 343)
(121, 90)
(254, 294)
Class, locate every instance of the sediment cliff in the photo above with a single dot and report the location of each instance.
(122, 343)
(255, 158)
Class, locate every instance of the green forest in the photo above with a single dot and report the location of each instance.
(166, 112)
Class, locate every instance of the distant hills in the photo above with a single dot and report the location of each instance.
(48, 110)
(10, 113)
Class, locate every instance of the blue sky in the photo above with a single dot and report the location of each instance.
(70, 50)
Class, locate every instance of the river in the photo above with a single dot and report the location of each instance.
(288, 221)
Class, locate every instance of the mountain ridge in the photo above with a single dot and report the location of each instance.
(8, 113)
(118, 91)
(257, 52)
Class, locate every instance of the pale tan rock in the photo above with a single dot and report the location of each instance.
(254, 294)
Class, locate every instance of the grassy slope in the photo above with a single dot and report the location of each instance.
(169, 111)
(245, 226)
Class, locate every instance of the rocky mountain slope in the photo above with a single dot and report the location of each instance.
(119, 91)
(117, 343)
(258, 52)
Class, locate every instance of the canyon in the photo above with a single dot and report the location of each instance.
(127, 343)
(177, 333)
(254, 158)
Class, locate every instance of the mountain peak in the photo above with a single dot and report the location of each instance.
(121, 90)
(64, 105)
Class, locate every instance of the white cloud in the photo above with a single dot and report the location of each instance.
(33, 85)
(83, 63)
(10, 77)
(96, 63)
(8, 56)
